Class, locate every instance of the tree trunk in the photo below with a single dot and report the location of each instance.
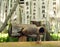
(9, 16)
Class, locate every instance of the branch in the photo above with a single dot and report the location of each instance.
(9, 15)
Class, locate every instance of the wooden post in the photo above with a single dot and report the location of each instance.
(23, 39)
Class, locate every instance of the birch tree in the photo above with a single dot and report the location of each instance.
(9, 15)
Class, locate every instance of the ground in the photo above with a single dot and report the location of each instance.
(31, 44)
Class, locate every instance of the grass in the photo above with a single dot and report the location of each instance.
(55, 36)
(5, 38)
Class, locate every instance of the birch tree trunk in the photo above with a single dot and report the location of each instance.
(9, 16)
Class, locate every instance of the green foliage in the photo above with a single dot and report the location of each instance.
(55, 36)
(3, 37)
(31, 39)
(12, 39)
(6, 38)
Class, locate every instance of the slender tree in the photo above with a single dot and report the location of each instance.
(9, 15)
